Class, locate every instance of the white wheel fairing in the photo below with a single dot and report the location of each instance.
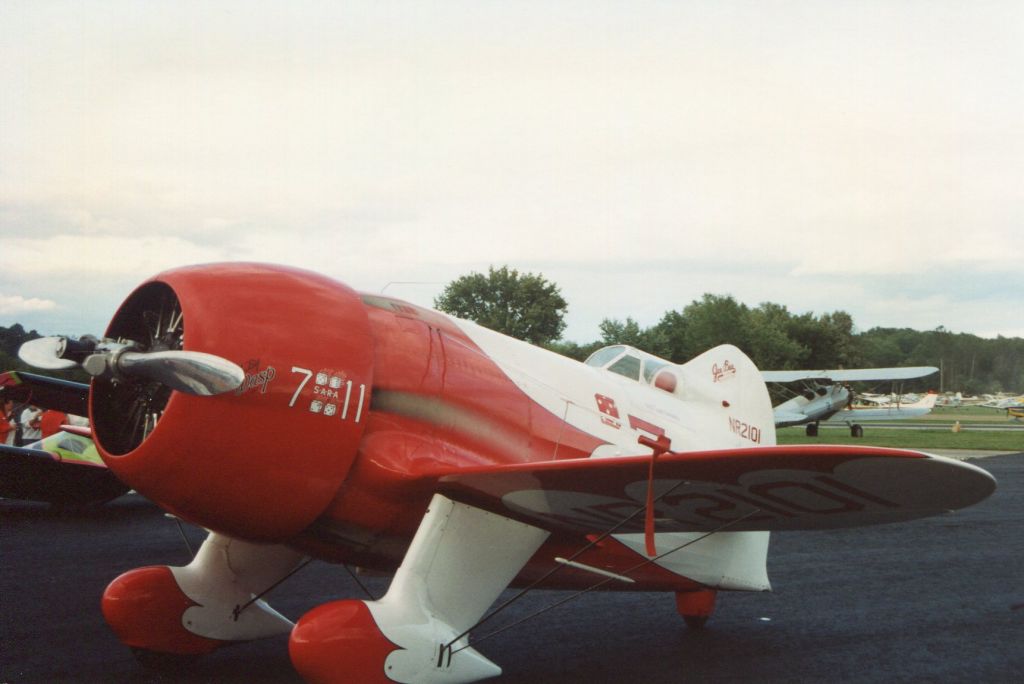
(227, 573)
(460, 560)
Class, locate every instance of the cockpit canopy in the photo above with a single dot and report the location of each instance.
(636, 365)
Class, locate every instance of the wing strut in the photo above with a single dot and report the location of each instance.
(660, 446)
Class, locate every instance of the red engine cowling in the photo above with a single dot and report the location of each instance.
(262, 462)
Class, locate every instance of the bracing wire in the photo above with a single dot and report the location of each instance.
(536, 583)
(239, 609)
(360, 583)
(594, 587)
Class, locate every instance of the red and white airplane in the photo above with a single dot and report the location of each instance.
(296, 418)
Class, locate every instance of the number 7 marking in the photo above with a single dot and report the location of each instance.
(308, 373)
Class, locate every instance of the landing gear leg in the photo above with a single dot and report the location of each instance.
(696, 607)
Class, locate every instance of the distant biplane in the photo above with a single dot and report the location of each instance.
(826, 395)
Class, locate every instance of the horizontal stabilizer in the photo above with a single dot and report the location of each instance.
(768, 488)
(45, 392)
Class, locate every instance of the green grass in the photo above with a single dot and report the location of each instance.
(938, 433)
(944, 438)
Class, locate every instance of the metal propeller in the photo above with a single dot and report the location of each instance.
(56, 353)
(190, 372)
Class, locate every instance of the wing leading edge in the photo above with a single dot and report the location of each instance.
(771, 488)
(850, 375)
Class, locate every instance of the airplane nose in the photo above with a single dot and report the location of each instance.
(260, 461)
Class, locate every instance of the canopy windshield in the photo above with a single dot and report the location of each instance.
(627, 361)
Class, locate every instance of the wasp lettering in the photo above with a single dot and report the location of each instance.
(257, 380)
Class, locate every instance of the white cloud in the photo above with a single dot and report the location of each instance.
(12, 305)
(79, 258)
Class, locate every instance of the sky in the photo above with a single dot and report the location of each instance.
(858, 156)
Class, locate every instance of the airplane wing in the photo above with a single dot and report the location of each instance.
(787, 418)
(771, 488)
(39, 475)
(850, 375)
(40, 390)
(891, 412)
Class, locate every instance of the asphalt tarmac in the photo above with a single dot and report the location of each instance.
(935, 600)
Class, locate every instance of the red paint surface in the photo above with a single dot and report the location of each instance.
(145, 606)
(340, 642)
(248, 464)
(700, 603)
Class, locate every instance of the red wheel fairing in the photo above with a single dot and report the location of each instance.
(144, 607)
(340, 642)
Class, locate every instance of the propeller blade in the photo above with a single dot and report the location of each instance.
(46, 353)
(191, 372)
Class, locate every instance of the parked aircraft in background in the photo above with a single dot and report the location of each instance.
(892, 411)
(64, 468)
(1005, 403)
(826, 393)
(295, 417)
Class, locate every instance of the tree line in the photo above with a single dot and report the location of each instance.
(778, 339)
(531, 308)
(10, 340)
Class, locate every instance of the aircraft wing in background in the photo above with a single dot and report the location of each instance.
(849, 375)
(62, 469)
(45, 392)
(892, 411)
